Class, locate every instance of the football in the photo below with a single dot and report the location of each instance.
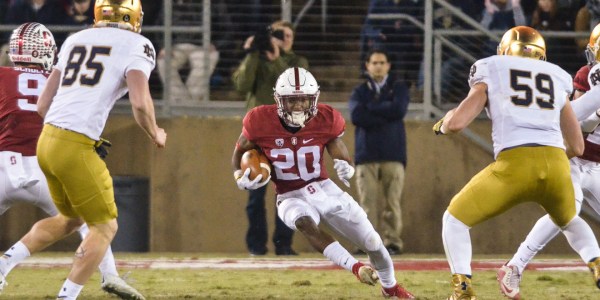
(257, 162)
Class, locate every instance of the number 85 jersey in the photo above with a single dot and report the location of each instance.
(525, 98)
(93, 65)
(297, 158)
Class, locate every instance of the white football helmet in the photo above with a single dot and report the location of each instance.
(292, 85)
(32, 43)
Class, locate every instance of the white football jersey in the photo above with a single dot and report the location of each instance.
(525, 97)
(93, 64)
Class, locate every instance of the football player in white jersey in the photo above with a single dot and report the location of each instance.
(96, 67)
(32, 50)
(585, 173)
(527, 100)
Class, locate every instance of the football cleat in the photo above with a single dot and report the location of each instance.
(509, 279)
(116, 285)
(365, 274)
(463, 290)
(397, 292)
(594, 266)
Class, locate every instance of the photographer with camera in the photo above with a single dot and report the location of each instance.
(269, 53)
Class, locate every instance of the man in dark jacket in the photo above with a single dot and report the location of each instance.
(377, 108)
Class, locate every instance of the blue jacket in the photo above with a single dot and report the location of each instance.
(379, 120)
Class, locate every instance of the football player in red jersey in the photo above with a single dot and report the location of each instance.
(33, 52)
(293, 134)
(585, 174)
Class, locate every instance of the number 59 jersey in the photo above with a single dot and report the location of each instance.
(93, 64)
(20, 124)
(525, 98)
(297, 158)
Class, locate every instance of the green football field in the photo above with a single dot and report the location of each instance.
(308, 276)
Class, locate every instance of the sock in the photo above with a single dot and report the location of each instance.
(383, 264)
(339, 255)
(581, 238)
(107, 265)
(70, 290)
(12, 257)
(542, 232)
(457, 244)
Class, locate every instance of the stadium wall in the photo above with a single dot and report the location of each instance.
(195, 205)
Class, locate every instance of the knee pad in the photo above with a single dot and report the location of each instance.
(291, 209)
(372, 241)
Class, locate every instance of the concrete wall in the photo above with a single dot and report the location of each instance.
(196, 206)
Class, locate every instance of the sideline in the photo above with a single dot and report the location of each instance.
(296, 264)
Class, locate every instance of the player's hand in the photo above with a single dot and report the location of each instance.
(160, 139)
(437, 128)
(344, 170)
(101, 147)
(243, 181)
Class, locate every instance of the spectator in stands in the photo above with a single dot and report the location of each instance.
(81, 12)
(269, 54)
(593, 7)
(399, 37)
(548, 16)
(501, 15)
(47, 12)
(188, 49)
(377, 109)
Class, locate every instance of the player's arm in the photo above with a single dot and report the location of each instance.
(587, 104)
(341, 159)
(571, 131)
(589, 124)
(242, 179)
(459, 118)
(143, 106)
(242, 145)
(48, 93)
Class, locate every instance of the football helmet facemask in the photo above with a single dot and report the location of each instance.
(32, 43)
(523, 41)
(123, 14)
(592, 52)
(293, 87)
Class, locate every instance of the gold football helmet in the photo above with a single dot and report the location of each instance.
(124, 14)
(591, 52)
(523, 41)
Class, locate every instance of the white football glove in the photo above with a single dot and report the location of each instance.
(244, 183)
(344, 170)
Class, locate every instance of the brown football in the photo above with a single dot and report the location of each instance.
(257, 162)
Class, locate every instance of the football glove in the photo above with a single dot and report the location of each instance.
(101, 147)
(244, 183)
(344, 170)
(437, 128)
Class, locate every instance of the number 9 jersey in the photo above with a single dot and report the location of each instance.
(297, 158)
(93, 64)
(525, 97)
(20, 124)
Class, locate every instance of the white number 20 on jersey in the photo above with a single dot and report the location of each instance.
(25, 90)
(284, 170)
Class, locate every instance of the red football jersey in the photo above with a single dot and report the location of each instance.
(297, 158)
(20, 124)
(580, 82)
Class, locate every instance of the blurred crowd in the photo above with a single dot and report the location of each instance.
(232, 23)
